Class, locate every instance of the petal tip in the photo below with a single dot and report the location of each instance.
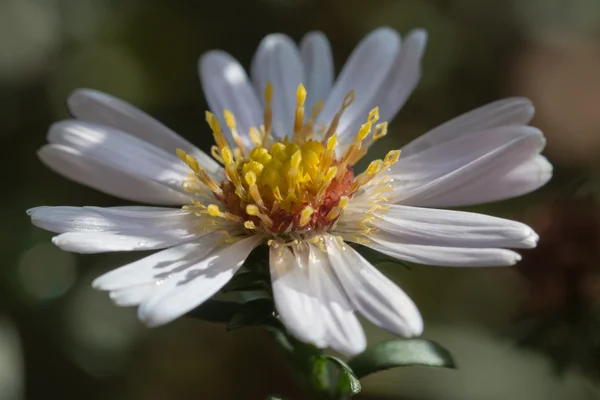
(154, 318)
(517, 257)
(99, 283)
(315, 35)
(419, 34)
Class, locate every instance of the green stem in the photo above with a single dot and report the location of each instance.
(309, 372)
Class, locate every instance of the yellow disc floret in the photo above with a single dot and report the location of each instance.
(291, 185)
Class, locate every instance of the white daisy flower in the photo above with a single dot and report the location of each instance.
(284, 176)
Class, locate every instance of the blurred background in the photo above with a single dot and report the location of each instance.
(525, 333)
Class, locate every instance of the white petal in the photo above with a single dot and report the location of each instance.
(97, 219)
(499, 185)
(445, 228)
(297, 304)
(318, 67)
(278, 60)
(160, 266)
(191, 288)
(506, 112)
(122, 150)
(132, 296)
(496, 162)
(440, 159)
(364, 72)
(101, 242)
(372, 294)
(226, 86)
(404, 75)
(65, 219)
(94, 106)
(125, 230)
(102, 175)
(344, 332)
(442, 256)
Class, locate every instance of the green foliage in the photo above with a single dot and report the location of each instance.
(324, 376)
(246, 281)
(251, 313)
(401, 353)
(215, 311)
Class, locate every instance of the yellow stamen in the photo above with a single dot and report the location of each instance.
(380, 130)
(300, 99)
(268, 113)
(214, 151)
(343, 202)
(305, 215)
(230, 121)
(216, 129)
(253, 210)
(334, 213)
(214, 211)
(255, 137)
(373, 168)
(391, 157)
(373, 115)
(227, 156)
(363, 132)
(308, 128)
(189, 160)
(208, 182)
(331, 142)
(348, 100)
(293, 183)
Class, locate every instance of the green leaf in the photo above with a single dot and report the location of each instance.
(320, 374)
(216, 310)
(377, 258)
(347, 383)
(258, 258)
(331, 376)
(401, 353)
(250, 280)
(250, 313)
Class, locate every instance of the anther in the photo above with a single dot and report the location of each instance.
(300, 99)
(215, 152)
(189, 160)
(391, 157)
(343, 203)
(255, 137)
(373, 115)
(380, 130)
(268, 113)
(216, 129)
(252, 210)
(348, 100)
(227, 155)
(305, 215)
(230, 121)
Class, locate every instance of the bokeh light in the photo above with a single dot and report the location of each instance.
(46, 272)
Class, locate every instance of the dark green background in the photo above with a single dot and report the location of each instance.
(59, 339)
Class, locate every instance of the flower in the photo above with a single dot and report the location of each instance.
(284, 176)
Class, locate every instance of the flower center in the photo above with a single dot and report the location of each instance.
(287, 186)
